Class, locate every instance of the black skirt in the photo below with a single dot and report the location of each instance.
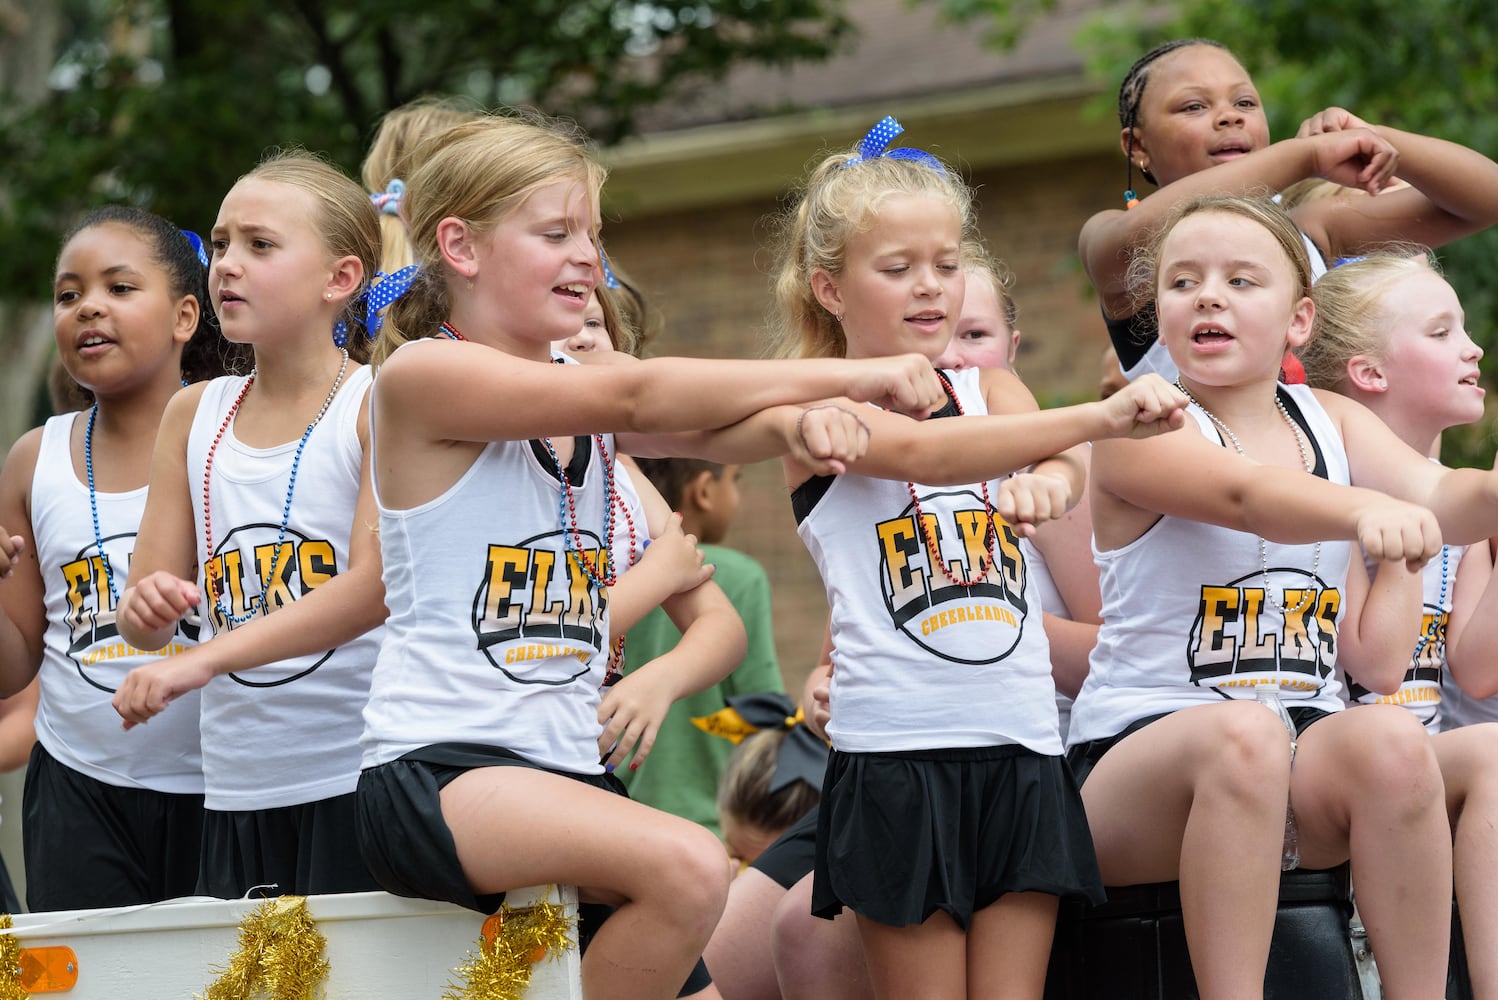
(902, 835)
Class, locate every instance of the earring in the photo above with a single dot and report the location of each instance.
(328, 296)
(838, 317)
(468, 285)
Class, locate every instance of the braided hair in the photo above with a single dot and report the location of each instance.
(1131, 92)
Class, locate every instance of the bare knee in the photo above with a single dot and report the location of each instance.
(1396, 760)
(692, 876)
(1246, 758)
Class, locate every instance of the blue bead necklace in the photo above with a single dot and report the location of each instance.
(215, 587)
(1428, 634)
(93, 503)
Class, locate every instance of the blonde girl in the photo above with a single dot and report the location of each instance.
(949, 822)
(1224, 555)
(259, 516)
(1391, 335)
(503, 526)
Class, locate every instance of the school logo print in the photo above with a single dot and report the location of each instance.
(99, 654)
(249, 587)
(536, 616)
(973, 625)
(1239, 638)
(1422, 681)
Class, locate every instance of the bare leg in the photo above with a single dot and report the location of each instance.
(515, 826)
(818, 959)
(739, 955)
(1200, 796)
(1367, 786)
(926, 960)
(1009, 947)
(1468, 757)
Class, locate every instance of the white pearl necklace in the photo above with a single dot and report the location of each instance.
(1310, 467)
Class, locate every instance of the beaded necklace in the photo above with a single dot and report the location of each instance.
(572, 533)
(990, 532)
(215, 584)
(93, 503)
(1428, 634)
(1310, 467)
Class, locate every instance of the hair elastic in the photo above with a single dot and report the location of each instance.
(389, 202)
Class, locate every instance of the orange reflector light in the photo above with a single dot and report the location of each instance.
(52, 969)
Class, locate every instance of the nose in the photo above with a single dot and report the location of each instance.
(90, 304)
(1209, 294)
(1229, 114)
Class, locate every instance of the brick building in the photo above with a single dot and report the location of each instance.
(686, 207)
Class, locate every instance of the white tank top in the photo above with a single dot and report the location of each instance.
(918, 662)
(1185, 617)
(1421, 691)
(84, 659)
(495, 635)
(284, 733)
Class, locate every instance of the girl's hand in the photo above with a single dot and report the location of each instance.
(676, 553)
(631, 714)
(826, 437)
(905, 383)
(1392, 530)
(821, 706)
(1147, 406)
(11, 547)
(1028, 499)
(1355, 157)
(1330, 120)
(158, 601)
(148, 690)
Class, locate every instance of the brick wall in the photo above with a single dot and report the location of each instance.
(707, 272)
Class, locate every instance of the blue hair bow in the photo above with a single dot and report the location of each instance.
(197, 245)
(378, 297)
(872, 146)
(389, 203)
(609, 280)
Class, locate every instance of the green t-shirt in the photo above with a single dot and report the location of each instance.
(681, 774)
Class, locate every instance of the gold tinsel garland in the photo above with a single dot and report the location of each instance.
(502, 969)
(279, 956)
(10, 963)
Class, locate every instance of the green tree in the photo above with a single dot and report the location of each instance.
(162, 103)
(1428, 67)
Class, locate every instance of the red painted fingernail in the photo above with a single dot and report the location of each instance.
(634, 765)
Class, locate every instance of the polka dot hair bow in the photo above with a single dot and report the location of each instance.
(386, 289)
(609, 279)
(389, 202)
(872, 146)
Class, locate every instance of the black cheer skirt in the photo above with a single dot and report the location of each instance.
(902, 835)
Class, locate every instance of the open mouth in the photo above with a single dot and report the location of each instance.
(93, 339)
(577, 291)
(1210, 335)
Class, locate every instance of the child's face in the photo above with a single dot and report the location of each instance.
(983, 338)
(1200, 109)
(1430, 361)
(901, 287)
(115, 317)
(594, 335)
(745, 841)
(721, 504)
(1228, 300)
(538, 268)
(271, 267)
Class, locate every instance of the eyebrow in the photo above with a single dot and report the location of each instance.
(1232, 265)
(109, 272)
(248, 228)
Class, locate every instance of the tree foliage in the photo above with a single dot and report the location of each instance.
(162, 103)
(1428, 67)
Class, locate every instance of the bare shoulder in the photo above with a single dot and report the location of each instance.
(1003, 392)
(20, 466)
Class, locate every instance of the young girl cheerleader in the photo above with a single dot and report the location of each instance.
(110, 819)
(498, 554)
(259, 491)
(1193, 124)
(1223, 556)
(1390, 335)
(931, 601)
